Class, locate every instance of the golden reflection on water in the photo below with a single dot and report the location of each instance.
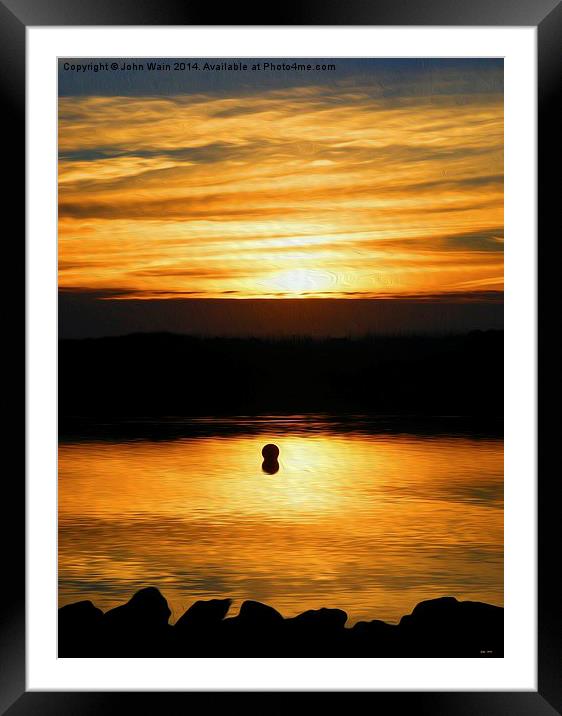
(372, 524)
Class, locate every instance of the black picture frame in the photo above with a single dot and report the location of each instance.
(546, 16)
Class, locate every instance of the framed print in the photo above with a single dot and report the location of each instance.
(282, 332)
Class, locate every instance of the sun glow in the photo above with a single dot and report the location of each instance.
(301, 281)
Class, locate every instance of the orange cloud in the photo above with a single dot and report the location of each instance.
(330, 191)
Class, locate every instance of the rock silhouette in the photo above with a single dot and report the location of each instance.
(139, 627)
(258, 614)
(79, 629)
(471, 624)
(319, 619)
(204, 614)
(256, 627)
(197, 632)
(325, 628)
(377, 638)
(443, 627)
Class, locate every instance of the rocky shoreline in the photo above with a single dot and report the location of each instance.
(441, 627)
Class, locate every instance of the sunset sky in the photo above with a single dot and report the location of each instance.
(383, 178)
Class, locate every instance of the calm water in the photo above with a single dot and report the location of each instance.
(358, 518)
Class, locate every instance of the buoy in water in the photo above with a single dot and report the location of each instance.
(270, 452)
(270, 467)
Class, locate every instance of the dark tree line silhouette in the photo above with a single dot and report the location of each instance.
(170, 374)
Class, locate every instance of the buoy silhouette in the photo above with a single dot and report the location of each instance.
(270, 453)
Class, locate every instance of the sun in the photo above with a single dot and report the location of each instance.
(301, 281)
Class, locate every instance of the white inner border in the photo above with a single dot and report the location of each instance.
(517, 670)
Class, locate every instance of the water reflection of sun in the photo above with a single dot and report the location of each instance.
(349, 520)
(342, 479)
(310, 481)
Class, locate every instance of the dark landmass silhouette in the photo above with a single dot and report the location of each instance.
(96, 313)
(177, 375)
(441, 627)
